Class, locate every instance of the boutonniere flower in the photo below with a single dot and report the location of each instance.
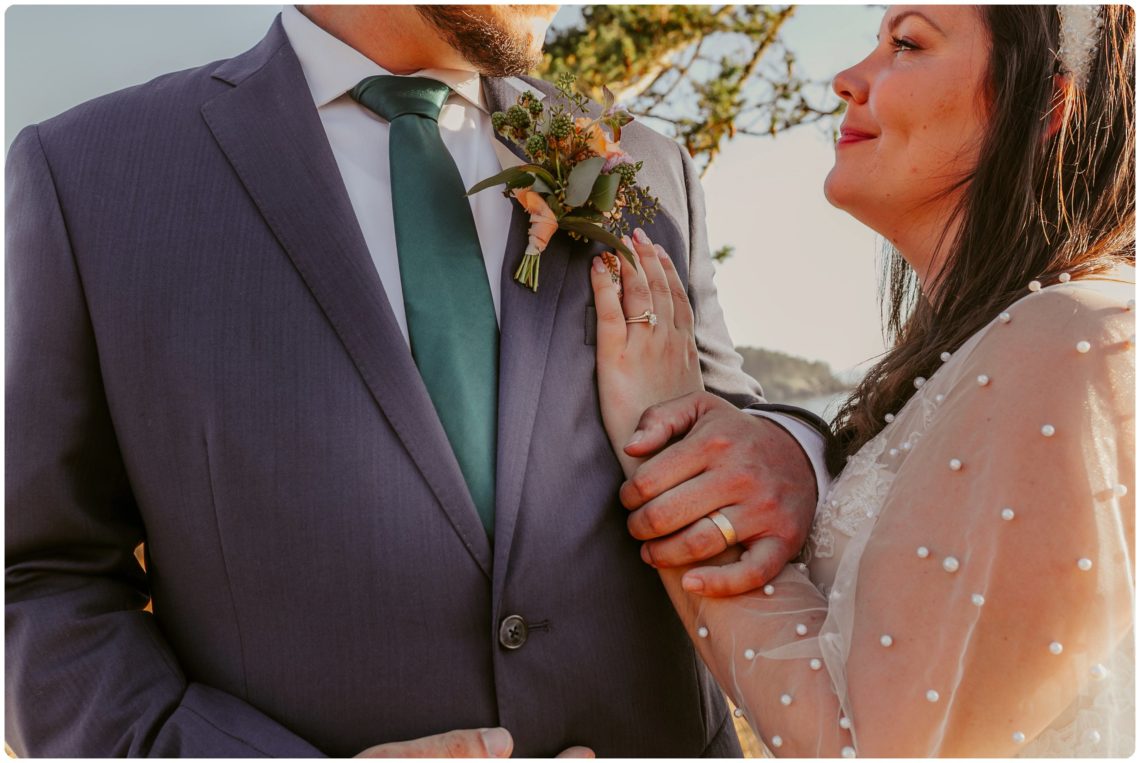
(578, 179)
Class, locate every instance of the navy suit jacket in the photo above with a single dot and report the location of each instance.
(200, 356)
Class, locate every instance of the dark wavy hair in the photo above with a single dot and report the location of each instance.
(1043, 200)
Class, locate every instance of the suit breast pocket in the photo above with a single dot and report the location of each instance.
(591, 325)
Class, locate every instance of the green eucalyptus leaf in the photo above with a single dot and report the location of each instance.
(596, 233)
(605, 192)
(581, 180)
(525, 180)
(541, 187)
(555, 206)
(506, 176)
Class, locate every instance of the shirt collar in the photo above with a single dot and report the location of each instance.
(332, 68)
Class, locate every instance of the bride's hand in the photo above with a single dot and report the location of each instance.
(641, 364)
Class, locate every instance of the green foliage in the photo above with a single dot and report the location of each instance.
(722, 254)
(702, 74)
(787, 377)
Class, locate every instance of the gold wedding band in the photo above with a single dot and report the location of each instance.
(725, 527)
(646, 317)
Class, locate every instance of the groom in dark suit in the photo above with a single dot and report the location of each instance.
(215, 345)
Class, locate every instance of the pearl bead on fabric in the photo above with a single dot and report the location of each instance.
(1056, 647)
(750, 654)
(893, 452)
(769, 589)
(955, 465)
(950, 564)
(1035, 286)
(1064, 278)
(703, 632)
(1083, 347)
(1099, 672)
(1048, 430)
(923, 552)
(845, 723)
(906, 445)
(886, 640)
(945, 356)
(777, 741)
(1005, 317)
(889, 418)
(932, 696)
(1120, 491)
(785, 699)
(1092, 736)
(815, 664)
(1007, 514)
(939, 398)
(848, 752)
(977, 600)
(1018, 737)
(738, 713)
(983, 380)
(801, 629)
(1084, 564)
(919, 381)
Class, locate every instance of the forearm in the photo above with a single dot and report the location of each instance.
(754, 650)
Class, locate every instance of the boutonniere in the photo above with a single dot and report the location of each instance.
(578, 178)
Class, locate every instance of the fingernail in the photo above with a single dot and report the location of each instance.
(497, 741)
(692, 584)
(660, 251)
(599, 266)
(638, 436)
(640, 236)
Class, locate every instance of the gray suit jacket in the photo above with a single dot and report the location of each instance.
(201, 356)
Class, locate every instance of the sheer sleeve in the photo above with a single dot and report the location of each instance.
(984, 595)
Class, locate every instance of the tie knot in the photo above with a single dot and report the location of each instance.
(390, 96)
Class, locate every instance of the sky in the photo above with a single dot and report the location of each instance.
(802, 280)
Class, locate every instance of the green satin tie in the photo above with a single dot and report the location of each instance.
(447, 300)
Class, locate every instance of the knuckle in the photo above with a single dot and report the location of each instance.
(695, 545)
(640, 290)
(610, 315)
(455, 745)
(656, 520)
(642, 485)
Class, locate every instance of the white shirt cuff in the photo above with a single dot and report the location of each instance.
(809, 439)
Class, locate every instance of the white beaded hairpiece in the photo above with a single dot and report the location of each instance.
(1080, 31)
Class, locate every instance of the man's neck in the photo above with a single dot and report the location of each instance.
(396, 37)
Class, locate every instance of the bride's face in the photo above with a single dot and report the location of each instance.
(915, 118)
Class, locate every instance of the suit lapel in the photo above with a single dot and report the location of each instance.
(270, 131)
(526, 325)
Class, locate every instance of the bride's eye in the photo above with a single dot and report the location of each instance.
(901, 44)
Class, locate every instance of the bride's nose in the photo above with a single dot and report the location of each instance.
(851, 85)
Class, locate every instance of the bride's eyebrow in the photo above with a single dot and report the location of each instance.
(894, 22)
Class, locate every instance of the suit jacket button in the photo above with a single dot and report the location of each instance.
(512, 632)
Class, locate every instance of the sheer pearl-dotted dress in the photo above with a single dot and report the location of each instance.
(969, 588)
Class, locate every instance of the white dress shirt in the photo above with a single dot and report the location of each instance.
(359, 141)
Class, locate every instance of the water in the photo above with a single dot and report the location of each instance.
(824, 406)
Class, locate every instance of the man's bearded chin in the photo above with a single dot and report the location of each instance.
(484, 40)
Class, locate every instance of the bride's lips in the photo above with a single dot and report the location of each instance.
(848, 135)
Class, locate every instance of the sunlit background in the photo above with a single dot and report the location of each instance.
(802, 280)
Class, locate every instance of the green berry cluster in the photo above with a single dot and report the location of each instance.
(536, 146)
(561, 125)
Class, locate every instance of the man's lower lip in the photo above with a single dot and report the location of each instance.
(852, 139)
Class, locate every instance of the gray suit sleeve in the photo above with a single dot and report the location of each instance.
(720, 363)
(88, 670)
